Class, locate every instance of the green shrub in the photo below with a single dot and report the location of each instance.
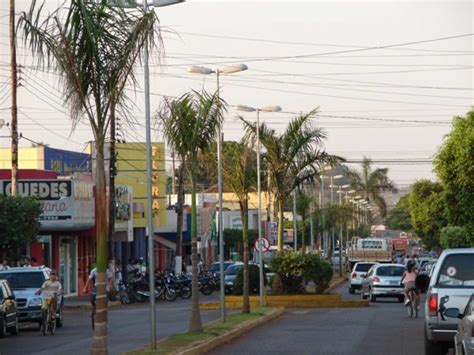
(254, 280)
(293, 270)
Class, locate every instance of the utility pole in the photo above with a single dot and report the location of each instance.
(14, 108)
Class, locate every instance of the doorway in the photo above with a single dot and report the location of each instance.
(68, 265)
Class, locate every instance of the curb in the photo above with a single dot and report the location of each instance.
(220, 340)
(88, 306)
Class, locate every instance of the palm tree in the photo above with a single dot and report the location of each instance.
(240, 175)
(293, 157)
(370, 183)
(190, 125)
(93, 47)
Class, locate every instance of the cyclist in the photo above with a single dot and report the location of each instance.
(408, 279)
(51, 289)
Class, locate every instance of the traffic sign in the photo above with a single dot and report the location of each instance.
(265, 243)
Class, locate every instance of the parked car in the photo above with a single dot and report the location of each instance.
(357, 275)
(383, 280)
(423, 261)
(216, 267)
(464, 338)
(8, 310)
(451, 285)
(25, 281)
(230, 276)
(427, 268)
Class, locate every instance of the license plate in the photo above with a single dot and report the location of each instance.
(394, 282)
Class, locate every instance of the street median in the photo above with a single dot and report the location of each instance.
(327, 300)
(213, 335)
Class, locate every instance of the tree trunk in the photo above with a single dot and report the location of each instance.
(280, 224)
(245, 284)
(195, 324)
(179, 227)
(99, 343)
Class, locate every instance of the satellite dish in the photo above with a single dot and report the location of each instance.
(2, 123)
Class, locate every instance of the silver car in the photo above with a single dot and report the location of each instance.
(451, 285)
(464, 338)
(357, 275)
(383, 280)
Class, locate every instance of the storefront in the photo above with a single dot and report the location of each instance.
(66, 240)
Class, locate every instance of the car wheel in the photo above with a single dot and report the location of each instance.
(351, 290)
(362, 294)
(3, 328)
(15, 329)
(432, 348)
(60, 318)
(372, 297)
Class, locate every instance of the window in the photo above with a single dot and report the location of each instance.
(457, 271)
(19, 280)
(363, 267)
(390, 271)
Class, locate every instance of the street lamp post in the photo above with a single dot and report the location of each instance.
(333, 237)
(151, 261)
(207, 71)
(259, 193)
(341, 238)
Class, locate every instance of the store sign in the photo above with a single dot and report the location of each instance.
(68, 205)
(124, 210)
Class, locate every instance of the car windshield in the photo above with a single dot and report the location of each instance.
(457, 271)
(390, 271)
(19, 280)
(233, 270)
(363, 267)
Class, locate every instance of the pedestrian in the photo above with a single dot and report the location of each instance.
(4, 265)
(398, 259)
(141, 266)
(27, 262)
(407, 258)
(118, 273)
(93, 280)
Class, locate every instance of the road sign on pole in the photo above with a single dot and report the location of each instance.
(265, 245)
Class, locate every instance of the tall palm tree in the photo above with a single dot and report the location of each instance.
(190, 124)
(371, 183)
(93, 47)
(292, 157)
(240, 175)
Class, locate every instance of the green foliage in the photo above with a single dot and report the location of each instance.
(233, 240)
(454, 166)
(318, 271)
(399, 216)
(254, 280)
(455, 237)
(427, 211)
(18, 223)
(293, 269)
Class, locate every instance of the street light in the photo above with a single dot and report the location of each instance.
(151, 261)
(195, 69)
(274, 108)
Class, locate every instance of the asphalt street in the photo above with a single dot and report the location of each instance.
(383, 328)
(128, 329)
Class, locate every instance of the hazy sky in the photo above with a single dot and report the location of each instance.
(390, 103)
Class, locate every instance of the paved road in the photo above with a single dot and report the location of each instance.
(128, 329)
(383, 328)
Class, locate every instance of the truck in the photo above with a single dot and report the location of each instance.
(400, 245)
(369, 249)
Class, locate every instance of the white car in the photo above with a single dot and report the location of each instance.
(464, 338)
(357, 275)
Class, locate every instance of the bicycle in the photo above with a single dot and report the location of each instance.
(412, 306)
(48, 322)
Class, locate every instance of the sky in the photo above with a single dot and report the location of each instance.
(386, 76)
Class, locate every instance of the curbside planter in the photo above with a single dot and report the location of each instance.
(211, 344)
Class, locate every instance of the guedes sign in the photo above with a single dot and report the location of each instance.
(43, 190)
